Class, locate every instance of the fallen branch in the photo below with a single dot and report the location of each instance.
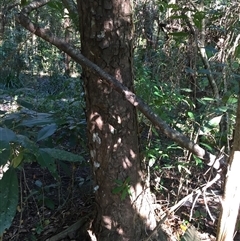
(75, 54)
(73, 228)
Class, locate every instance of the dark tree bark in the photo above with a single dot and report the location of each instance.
(112, 122)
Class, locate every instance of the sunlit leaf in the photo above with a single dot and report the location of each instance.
(190, 115)
(215, 121)
(16, 161)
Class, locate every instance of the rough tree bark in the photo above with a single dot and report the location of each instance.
(112, 123)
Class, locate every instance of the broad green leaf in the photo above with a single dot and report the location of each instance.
(124, 194)
(5, 152)
(7, 135)
(56, 5)
(38, 120)
(232, 100)
(117, 189)
(16, 161)
(197, 19)
(46, 131)
(63, 155)
(29, 145)
(49, 203)
(9, 198)
(46, 161)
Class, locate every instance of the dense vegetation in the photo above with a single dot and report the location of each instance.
(186, 67)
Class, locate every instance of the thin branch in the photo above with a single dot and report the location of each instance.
(162, 126)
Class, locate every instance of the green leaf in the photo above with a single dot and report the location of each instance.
(56, 5)
(63, 155)
(5, 152)
(117, 190)
(9, 198)
(46, 161)
(29, 145)
(49, 203)
(39, 120)
(179, 34)
(46, 131)
(16, 161)
(25, 104)
(124, 194)
(190, 115)
(7, 135)
(237, 51)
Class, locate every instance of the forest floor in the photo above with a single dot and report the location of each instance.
(51, 210)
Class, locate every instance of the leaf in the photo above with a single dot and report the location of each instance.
(215, 121)
(190, 115)
(7, 135)
(25, 104)
(46, 161)
(46, 131)
(63, 155)
(237, 51)
(124, 194)
(186, 90)
(55, 5)
(16, 161)
(190, 235)
(179, 34)
(49, 203)
(5, 152)
(117, 190)
(39, 120)
(9, 198)
(29, 145)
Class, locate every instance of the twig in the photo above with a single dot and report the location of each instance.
(70, 229)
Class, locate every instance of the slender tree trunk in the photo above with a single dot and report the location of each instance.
(106, 39)
(231, 197)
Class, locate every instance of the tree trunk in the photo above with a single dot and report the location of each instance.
(106, 39)
(231, 197)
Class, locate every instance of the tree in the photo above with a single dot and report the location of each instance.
(121, 186)
(123, 198)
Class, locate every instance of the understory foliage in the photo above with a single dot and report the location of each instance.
(186, 66)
